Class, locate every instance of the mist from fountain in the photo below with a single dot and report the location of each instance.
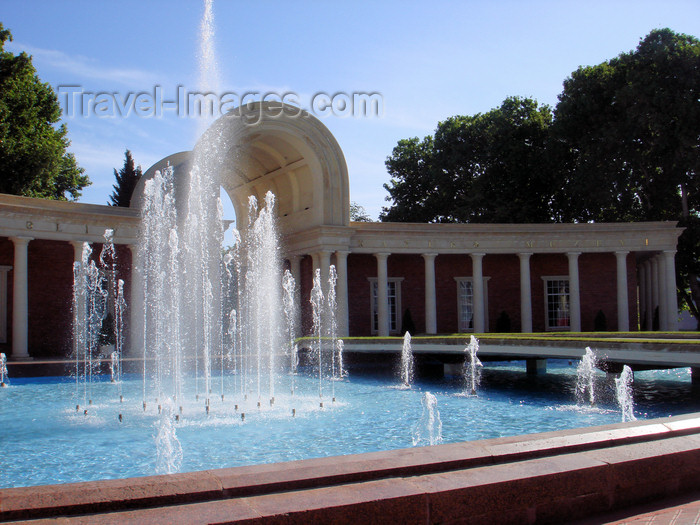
(623, 391)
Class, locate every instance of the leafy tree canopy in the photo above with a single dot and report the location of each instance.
(358, 213)
(33, 157)
(126, 178)
(630, 128)
(623, 145)
(490, 167)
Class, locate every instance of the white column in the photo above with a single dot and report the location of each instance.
(478, 289)
(574, 292)
(295, 269)
(648, 292)
(663, 293)
(324, 263)
(525, 293)
(430, 298)
(341, 258)
(623, 313)
(382, 297)
(671, 297)
(642, 293)
(20, 300)
(654, 264)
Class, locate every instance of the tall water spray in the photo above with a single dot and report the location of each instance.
(585, 378)
(290, 315)
(472, 366)
(261, 307)
(406, 361)
(623, 390)
(317, 309)
(208, 81)
(90, 304)
(164, 325)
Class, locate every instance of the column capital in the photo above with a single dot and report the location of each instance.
(20, 240)
(477, 255)
(622, 252)
(431, 255)
(669, 253)
(524, 255)
(342, 253)
(573, 254)
(382, 255)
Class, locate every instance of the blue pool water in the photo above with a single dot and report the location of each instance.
(43, 440)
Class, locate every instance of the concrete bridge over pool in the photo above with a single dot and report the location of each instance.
(640, 351)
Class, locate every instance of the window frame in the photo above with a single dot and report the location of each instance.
(546, 279)
(374, 311)
(470, 279)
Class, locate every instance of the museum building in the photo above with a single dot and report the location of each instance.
(435, 278)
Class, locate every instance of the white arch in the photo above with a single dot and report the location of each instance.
(274, 146)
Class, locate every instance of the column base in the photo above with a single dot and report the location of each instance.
(536, 367)
(695, 376)
(20, 358)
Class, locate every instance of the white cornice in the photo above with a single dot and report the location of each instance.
(66, 221)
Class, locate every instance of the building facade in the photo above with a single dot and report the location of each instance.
(432, 278)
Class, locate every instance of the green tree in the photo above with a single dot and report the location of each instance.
(127, 178)
(358, 213)
(630, 132)
(490, 167)
(33, 157)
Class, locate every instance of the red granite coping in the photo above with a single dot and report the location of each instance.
(570, 473)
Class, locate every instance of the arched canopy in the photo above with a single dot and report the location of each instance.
(274, 147)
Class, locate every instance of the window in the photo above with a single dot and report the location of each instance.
(465, 299)
(556, 291)
(465, 304)
(394, 299)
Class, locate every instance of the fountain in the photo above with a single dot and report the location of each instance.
(623, 390)
(406, 361)
(585, 382)
(3, 370)
(200, 312)
(472, 366)
(428, 431)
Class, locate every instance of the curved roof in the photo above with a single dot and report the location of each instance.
(275, 147)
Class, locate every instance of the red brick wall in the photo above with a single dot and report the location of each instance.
(50, 287)
(597, 274)
(305, 293)
(50, 283)
(6, 259)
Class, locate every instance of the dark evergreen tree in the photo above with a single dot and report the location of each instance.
(127, 178)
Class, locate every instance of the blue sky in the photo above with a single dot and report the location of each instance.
(428, 60)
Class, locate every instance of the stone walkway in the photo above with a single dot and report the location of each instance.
(678, 511)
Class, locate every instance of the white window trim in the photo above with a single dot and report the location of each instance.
(548, 328)
(399, 313)
(3, 302)
(486, 301)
